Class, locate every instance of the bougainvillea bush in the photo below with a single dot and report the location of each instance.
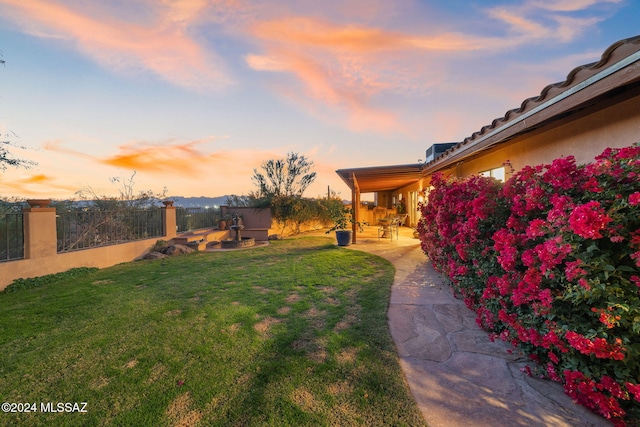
(550, 261)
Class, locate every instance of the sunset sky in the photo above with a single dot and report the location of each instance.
(192, 95)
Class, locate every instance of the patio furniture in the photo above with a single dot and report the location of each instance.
(401, 219)
(387, 227)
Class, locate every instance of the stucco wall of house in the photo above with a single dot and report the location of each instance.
(411, 201)
(584, 138)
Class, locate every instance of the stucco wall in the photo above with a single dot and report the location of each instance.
(407, 198)
(101, 257)
(40, 248)
(584, 138)
(251, 217)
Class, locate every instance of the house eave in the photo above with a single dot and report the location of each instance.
(618, 67)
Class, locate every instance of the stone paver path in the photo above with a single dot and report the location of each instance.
(456, 374)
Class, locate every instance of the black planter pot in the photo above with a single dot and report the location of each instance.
(343, 237)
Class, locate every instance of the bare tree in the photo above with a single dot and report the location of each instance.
(6, 159)
(288, 177)
(127, 199)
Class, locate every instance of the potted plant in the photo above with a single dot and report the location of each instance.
(342, 218)
(222, 224)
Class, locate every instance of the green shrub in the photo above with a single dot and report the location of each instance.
(49, 279)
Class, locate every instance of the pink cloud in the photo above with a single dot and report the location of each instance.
(344, 68)
(162, 46)
(352, 38)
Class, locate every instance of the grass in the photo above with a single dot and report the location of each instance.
(290, 334)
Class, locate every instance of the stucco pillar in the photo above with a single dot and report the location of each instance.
(169, 220)
(40, 239)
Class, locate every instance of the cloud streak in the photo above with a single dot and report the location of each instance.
(542, 20)
(162, 47)
(185, 158)
(346, 68)
(343, 70)
(35, 185)
(343, 64)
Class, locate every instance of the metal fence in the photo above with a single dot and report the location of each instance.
(190, 219)
(11, 237)
(78, 230)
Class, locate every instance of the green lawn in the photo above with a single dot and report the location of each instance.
(294, 333)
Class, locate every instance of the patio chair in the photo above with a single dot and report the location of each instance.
(390, 229)
(401, 219)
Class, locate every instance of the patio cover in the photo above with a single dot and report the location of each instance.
(378, 178)
(381, 178)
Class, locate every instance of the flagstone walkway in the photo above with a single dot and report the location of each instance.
(456, 374)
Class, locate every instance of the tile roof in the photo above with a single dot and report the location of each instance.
(618, 66)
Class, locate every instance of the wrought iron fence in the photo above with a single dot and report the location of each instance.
(11, 237)
(89, 229)
(189, 219)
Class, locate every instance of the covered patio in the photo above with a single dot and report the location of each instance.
(378, 179)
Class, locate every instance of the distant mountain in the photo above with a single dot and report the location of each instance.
(202, 201)
(198, 202)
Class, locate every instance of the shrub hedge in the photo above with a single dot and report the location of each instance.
(550, 262)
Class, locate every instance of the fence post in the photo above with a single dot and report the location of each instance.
(169, 220)
(40, 239)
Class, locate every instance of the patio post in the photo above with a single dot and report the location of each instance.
(355, 207)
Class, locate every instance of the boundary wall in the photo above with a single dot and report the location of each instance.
(40, 244)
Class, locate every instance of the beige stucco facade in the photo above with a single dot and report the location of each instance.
(583, 137)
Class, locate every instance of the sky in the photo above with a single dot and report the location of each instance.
(192, 95)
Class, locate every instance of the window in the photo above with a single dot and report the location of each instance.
(497, 173)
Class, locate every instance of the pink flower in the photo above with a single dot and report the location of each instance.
(599, 347)
(634, 199)
(536, 228)
(634, 389)
(584, 283)
(572, 270)
(636, 257)
(586, 391)
(505, 244)
(592, 185)
(609, 384)
(562, 173)
(552, 252)
(587, 220)
(551, 372)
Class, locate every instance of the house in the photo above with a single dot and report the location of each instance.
(597, 106)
